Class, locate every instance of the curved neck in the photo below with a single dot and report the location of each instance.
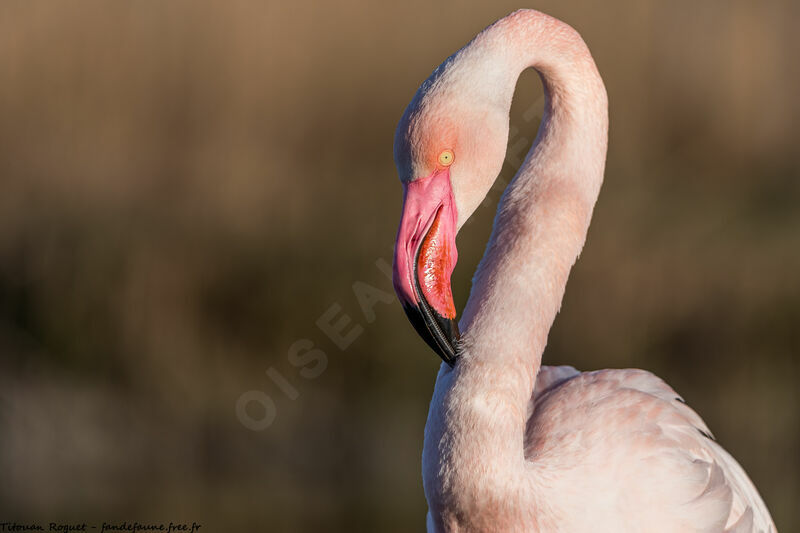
(475, 431)
(544, 214)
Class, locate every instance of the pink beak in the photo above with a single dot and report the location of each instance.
(424, 258)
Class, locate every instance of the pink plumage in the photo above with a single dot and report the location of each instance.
(511, 446)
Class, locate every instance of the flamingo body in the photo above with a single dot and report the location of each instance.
(609, 451)
(510, 445)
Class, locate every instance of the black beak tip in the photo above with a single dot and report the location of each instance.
(440, 333)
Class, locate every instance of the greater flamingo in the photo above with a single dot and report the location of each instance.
(510, 445)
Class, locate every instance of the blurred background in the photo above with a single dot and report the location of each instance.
(188, 187)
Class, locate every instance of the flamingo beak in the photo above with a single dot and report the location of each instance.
(424, 258)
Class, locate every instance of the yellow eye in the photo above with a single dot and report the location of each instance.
(446, 158)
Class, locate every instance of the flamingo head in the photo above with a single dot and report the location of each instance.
(449, 147)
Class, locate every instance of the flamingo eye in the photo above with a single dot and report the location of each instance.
(446, 158)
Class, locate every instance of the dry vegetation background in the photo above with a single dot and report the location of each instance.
(187, 186)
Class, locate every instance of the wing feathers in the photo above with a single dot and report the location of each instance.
(662, 429)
